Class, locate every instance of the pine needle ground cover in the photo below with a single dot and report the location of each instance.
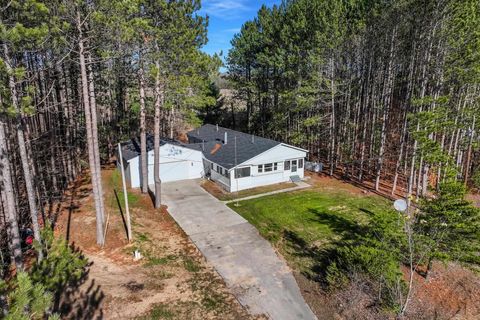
(303, 225)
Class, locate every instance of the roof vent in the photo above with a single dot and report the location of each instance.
(217, 127)
(225, 140)
(253, 138)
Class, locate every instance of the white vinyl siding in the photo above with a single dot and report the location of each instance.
(176, 163)
(270, 167)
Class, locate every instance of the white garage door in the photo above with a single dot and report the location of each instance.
(171, 171)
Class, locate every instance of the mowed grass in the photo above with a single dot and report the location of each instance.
(304, 224)
(116, 198)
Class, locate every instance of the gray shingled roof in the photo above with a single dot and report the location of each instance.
(211, 142)
(131, 148)
(247, 147)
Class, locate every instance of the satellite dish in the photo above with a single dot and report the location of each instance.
(400, 205)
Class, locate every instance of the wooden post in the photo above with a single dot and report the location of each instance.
(125, 195)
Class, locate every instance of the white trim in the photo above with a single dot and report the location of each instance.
(293, 147)
(278, 145)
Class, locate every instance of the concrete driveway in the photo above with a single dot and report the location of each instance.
(260, 280)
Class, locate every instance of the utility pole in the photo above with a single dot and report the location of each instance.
(234, 169)
(125, 195)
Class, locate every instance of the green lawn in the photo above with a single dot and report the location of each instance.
(304, 224)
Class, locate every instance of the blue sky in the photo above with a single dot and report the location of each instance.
(226, 18)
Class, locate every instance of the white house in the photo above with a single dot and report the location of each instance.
(233, 159)
(239, 161)
(177, 161)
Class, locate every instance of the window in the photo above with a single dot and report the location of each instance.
(287, 165)
(294, 165)
(242, 172)
(300, 163)
(268, 167)
(211, 165)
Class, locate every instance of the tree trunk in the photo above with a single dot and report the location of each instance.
(156, 141)
(403, 134)
(332, 118)
(387, 96)
(11, 212)
(94, 124)
(32, 202)
(88, 123)
(143, 129)
(469, 152)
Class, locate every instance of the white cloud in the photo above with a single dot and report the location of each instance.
(233, 30)
(225, 8)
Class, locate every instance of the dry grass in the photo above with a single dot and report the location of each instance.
(172, 281)
(219, 193)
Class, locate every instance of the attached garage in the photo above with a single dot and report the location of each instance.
(177, 161)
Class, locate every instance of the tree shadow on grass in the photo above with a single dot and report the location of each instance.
(347, 232)
(346, 228)
(121, 211)
(321, 257)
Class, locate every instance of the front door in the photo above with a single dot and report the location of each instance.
(294, 166)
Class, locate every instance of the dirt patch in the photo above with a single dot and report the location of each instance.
(475, 198)
(449, 292)
(349, 303)
(220, 193)
(323, 181)
(172, 280)
(367, 186)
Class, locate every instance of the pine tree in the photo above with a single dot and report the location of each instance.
(448, 226)
(27, 300)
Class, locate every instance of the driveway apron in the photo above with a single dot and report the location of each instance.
(260, 280)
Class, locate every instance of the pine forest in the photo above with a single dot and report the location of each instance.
(383, 98)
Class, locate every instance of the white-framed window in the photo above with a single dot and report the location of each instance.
(287, 165)
(294, 166)
(268, 167)
(300, 163)
(242, 172)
